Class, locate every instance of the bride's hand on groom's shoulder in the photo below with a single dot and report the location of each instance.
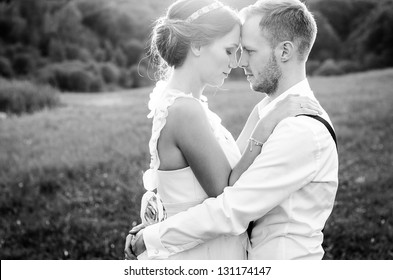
(290, 106)
(293, 105)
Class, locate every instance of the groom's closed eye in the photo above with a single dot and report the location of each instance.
(249, 51)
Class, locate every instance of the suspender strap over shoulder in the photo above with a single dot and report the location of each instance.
(332, 133)
(327, 125)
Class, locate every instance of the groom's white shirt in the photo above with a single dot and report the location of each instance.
(288, 191)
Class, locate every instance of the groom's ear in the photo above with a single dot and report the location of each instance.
(286, 50)
(196, 50)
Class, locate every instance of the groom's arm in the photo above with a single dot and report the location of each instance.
(288, 162)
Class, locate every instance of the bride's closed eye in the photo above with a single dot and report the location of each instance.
(231, 51)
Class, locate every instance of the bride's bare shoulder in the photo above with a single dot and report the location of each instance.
(185, 118)
(185, 109)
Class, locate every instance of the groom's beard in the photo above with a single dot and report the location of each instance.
(268, 79)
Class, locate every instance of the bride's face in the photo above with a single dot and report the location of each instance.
(218, 58)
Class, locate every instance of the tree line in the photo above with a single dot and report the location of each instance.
(96, 45)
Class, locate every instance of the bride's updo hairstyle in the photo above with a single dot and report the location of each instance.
(197, 22)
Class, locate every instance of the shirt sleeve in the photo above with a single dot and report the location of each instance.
(288, 161)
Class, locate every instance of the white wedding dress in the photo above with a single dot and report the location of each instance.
(179, 189)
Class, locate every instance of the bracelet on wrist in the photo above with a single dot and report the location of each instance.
(254, 142)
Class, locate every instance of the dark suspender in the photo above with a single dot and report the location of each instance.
(332, 133)
(328, 126)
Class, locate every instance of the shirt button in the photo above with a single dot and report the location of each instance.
(156, 252)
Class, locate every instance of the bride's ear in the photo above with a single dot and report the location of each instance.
(196, 50)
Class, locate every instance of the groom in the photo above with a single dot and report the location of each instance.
(289, 190)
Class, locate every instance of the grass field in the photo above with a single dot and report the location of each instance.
(70, 178)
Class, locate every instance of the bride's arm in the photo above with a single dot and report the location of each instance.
(248, 128)
(258, 136)
(195, 139)
(193, 136)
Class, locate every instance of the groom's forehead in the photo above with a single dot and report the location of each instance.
(250, 26)
(250, 31)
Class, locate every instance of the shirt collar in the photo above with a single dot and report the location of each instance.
(301, 88)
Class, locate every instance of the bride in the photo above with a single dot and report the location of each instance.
(193, 156)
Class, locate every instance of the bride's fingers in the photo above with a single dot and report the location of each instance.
(127, 250)
(152, 210)
(308, 111)
(311, 105)
(313, 102)
(149, 211)
(316, 105)
(136, 229)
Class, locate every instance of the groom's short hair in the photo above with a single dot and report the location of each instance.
(285, 20)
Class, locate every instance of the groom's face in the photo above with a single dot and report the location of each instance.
(258, 59)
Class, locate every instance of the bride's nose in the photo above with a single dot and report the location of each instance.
(233, 62)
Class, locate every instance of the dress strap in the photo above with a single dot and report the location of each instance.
(160, 100)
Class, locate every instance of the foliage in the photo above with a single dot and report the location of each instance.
(17, 97)
(312, 66)
(350, 66)
(327, 44)
(109, 22)
(136, 76)
(110, 73)
(64, 31)
(75, 52)
(57, 52)
(358, 31)
(133, 50)
(373, 38)
(5, 68)
(343, 15)
(72, 76)
(329, 68)
(24, 63)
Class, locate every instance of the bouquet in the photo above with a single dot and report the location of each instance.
(152, 209)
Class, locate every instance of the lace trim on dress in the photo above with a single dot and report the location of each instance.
(160, 100)
(152, 209)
